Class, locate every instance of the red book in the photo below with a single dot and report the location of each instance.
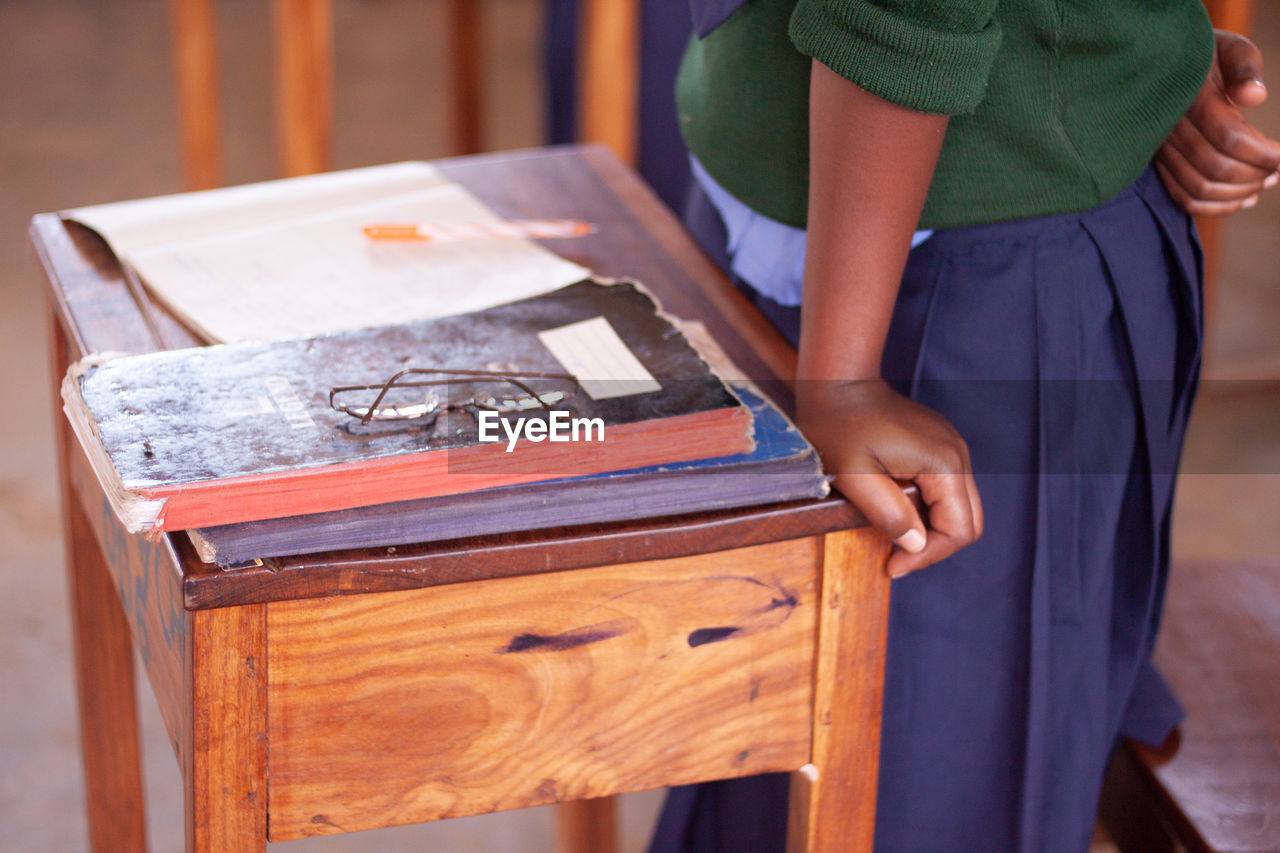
(245, 432)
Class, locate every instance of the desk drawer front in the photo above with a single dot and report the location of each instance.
(410, 706)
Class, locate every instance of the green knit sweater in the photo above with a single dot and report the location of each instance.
(1056, 105)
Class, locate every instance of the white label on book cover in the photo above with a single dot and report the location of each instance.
(286, 259)
(592, 351)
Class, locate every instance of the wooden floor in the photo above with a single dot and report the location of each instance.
(86, 115)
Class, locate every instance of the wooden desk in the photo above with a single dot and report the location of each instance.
(365, 688)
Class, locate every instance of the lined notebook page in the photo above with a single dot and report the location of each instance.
(288, 258)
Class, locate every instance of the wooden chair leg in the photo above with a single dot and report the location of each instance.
(304, 80)
(608, 75)
(1127, 809)
(468, 59)
(586, 826)
(195, 48)
(1234, 15)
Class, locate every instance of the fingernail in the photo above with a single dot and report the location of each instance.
(1271, 180)
(1248, 203)
(912, 541)
(1257, 82)
(897, 573)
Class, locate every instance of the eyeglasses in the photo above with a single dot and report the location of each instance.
(401, 398)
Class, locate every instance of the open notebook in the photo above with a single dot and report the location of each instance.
(289, 259)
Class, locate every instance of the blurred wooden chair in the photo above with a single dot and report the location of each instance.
(303, 36)
(1214, 786)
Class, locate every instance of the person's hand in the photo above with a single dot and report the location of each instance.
(1214, 161)
(870, 437)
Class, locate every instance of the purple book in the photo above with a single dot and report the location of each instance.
(782, 467)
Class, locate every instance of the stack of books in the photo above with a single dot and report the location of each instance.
(582, 405)
(389, 392)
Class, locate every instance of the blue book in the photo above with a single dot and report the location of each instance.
(782, 467)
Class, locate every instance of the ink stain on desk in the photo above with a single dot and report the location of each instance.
(788, 600)
(702, 636)
(782, 604)
(563, 641)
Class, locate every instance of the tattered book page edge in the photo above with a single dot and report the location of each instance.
(136, 512)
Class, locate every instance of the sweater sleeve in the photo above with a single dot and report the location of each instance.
(933, 56)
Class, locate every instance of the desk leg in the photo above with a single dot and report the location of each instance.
(585, 826)
(225, 759)
(104, 665)
(833, 800)
(108, 701)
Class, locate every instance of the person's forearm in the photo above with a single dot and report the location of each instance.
(871, 162)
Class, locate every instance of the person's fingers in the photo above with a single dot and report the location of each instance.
(1200, 187)
(975, 506)
(890, 511)
(1209, 161)
(951, 522)
(1225, 130)
(975, 500)
(1240, 62)
(1247, 93)
(1195, 206)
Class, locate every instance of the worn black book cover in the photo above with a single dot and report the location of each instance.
(242, 432)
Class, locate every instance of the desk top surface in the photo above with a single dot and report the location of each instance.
(638, 238)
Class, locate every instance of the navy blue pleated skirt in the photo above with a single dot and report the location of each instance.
(1065, 350)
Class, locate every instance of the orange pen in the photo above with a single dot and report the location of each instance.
(540, 229)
